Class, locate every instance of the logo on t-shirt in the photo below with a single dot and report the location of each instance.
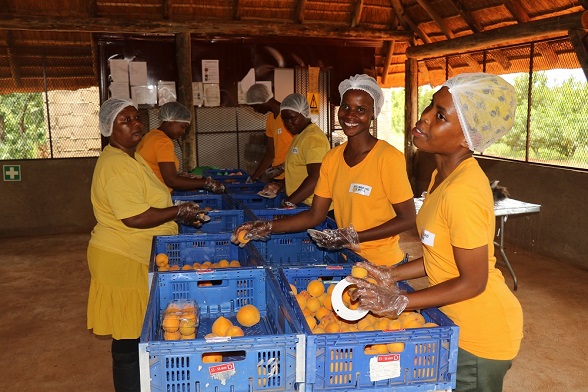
(295, 150)
(360, 189)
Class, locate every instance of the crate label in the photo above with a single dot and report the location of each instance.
(204, 271)
(383, 367)
(334, 267)
(222, 372)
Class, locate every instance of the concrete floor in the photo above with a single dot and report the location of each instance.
(46, 346)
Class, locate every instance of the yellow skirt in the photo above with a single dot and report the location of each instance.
(118, 294)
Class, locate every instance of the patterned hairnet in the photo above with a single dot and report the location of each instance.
(297, 103)
(365, 83)
(485, 105)
(175, 111)
(258, 94)
(108, 112)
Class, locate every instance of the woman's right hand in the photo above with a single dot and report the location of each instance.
(190, 214)
(255, 230)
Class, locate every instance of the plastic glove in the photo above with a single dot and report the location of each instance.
(255, 230)
(334, 239)
(384, 275)
(190, 214)
(270, 190)
(187, 175)
(288, 205)
(214, 186)
(249, 180)
(274, 171)
(386, 301)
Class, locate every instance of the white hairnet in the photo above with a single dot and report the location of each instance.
(364, 83)
(297, 103)
(108, 112)
(175, 111)
(258, 94)
(485, 106)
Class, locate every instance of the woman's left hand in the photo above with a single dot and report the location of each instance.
(387, 301)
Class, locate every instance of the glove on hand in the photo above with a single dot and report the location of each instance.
(187, 175)
(287, 204)
(214, 186)
(249, 180)
(274, 171)
(334, 239)
(256, 230)
(387, 301)
(270, 190)
(190, 214)
(383, 274)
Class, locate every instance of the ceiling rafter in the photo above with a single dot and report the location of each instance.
(356, 20)
(515, 8)
(388, 61)
(500, 58)
(472, 23)
(204, 28)
(436, 18)
(399, 12)
(403, 16)
(300, 8)
(236, 10)
(165, 9)
(547, 52)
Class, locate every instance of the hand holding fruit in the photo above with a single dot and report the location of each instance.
(387, 301)
(190, 214)
(382, 274)
(256, 230)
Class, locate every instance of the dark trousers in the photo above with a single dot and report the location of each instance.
(125, 365)
(475, 374)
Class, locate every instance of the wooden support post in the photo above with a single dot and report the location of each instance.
(184, 93)
(579, 40)
(411, 103)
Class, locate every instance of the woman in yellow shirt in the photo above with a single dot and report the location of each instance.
(366, 180)
(456, 223)
(131, 206)
(157, 148)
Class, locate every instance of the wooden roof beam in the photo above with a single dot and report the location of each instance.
(204, 28)
(517, 10)
(509, 35)
(467, 16)
(236, 10)
(165, 9)
(399, 12)
(387, 61)
(12, 61)
(579, 37)
(407, 22)
(300, 8)
(501, 59)
(436, 18)
(357, 14)
(547, 52)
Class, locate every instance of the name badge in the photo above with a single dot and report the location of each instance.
(279, 131)
(295, 150)
(428, 238)
(360, 189)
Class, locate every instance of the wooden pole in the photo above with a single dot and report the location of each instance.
(184, 93)
(411, 103)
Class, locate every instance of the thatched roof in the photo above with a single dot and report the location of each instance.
(60, 34)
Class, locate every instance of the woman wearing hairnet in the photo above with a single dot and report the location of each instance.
(131, 206)
(456, 225)
(366, 180)
(157, 148)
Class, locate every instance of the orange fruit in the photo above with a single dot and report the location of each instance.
(318, 329)
(332, 327)
(212, 357)
(172, 308)
(210, 336)
(220, 326)
(380, 348)
(171, 322)
(322, 312)
(248, 315)
(223, 263)
(163, 268)
(313, 304)
(187, 327)
(187, 267)
(234, 263)
(241, 237)
(358, 272)
(397, 347)
(294, 289)
(235, 330)
(161, 259)
(196, 266)
(413, 320)
(301, 299)
(381, 324)
(311, 321)
(394, 325)
(330, 289)
(174, 267)
(327, 302)
(188, 337)
(315, 288)
(172, 335)
(430, 325)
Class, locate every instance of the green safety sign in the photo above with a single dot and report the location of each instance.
(11, 172)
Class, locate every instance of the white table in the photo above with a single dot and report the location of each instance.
(502, 209)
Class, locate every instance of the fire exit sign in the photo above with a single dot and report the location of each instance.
(11, 172)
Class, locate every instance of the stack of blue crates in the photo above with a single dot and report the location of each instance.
(280, 353)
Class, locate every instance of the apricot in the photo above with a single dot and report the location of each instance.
(220, 326)
(358, 272)
(248, 315)
(315, 288)
(161, 259)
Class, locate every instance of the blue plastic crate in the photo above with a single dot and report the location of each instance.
(210, 201)
(197, 248)
(194, 192)
(269, 357)
(221, 221)
(243, 187)
(336, 361)
(254, 201)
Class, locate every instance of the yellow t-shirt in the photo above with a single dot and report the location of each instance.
(309, 146)
(157, 147)
(282, 138)
(460, 213)
(363, 195)
(123, 187)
